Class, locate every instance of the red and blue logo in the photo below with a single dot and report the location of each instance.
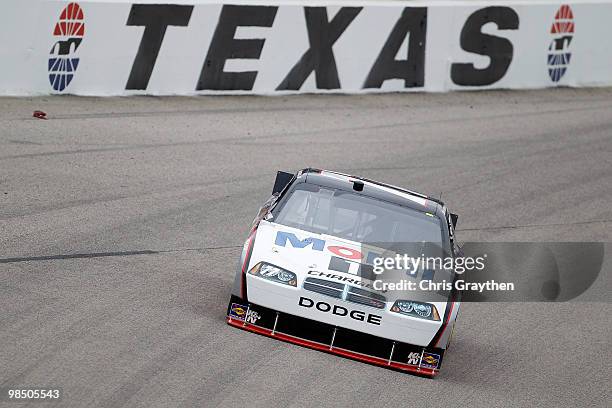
(562, 32)
(63, 60)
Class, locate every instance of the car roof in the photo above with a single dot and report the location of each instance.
(371, 188)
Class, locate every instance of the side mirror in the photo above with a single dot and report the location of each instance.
(282, 180)
(454, 218)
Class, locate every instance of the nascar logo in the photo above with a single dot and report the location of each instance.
(69, 32)
(562, 31)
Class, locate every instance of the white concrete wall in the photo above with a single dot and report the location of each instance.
(381, 46)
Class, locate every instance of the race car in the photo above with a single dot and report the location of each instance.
(306, 273)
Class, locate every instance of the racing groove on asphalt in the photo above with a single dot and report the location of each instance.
(121, 221)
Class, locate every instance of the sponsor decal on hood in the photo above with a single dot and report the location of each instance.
(319, 255)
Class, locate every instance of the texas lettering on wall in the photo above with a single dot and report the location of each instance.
(407, 37)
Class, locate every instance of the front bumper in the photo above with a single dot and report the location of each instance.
(394, 326)
(423, 361)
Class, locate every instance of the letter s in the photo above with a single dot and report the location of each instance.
(498, 49)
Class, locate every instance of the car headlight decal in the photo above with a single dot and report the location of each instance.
(274, 274)
(416, 309)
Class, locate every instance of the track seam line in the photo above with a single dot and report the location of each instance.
(109, 254)
(534, 225)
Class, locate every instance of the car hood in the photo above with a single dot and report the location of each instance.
(333, 259)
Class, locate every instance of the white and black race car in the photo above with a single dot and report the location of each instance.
(305, 274)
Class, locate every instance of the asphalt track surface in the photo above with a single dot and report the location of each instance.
(121, 221)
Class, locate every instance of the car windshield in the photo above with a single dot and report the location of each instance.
(385, 228)
(355, 217)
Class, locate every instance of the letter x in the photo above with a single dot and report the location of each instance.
(322, 34)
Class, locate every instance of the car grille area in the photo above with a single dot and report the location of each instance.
(365, 297)
(345, 292)
(324, 287)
